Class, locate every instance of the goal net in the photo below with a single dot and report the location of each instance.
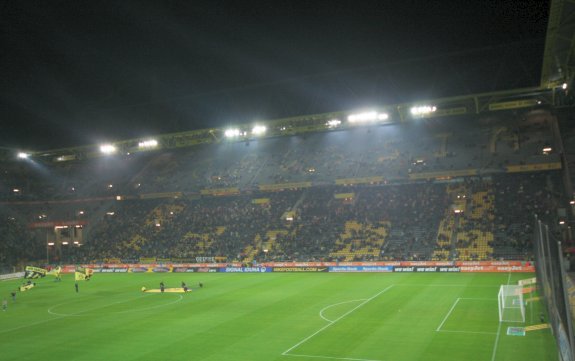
(511, 305)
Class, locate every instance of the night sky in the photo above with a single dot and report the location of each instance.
(82, 72)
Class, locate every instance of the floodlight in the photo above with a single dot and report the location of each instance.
(259, 130)
(148, 144)
(16, 190)
(23, 155)
(233, 132)
(547, 149)
(423, 109)
(362, 117)
(64, 243)
(367, 117)
(334, 123)
(564, 86)
(107, 148)
(50, 243)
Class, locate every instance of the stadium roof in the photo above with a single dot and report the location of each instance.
(559, 58)
(76, 73)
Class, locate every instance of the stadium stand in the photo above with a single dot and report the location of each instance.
(463, 190)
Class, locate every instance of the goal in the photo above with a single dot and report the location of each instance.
(511, 305)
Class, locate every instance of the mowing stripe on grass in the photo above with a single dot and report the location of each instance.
(331, 357)
(81, 313)
(285, 353)
(60, 316)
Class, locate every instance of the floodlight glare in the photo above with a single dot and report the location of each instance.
(230, 133)
(423, 109)
(23, 155)
(367, 117)
(564, 86)
(148, 144)
(107, 148)
(259, 130)
(333, 123)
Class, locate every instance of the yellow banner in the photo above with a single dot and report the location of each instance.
(445, 112)
(513, 104)
(161, 195)
(344, 195)
(55, 272)
(278, 187)
(260, 201)
(220, 192)
(83, 274)
(533, 167)
(446, 174)
(365, 180)
(34, 272)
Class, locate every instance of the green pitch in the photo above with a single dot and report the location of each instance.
(263, 317)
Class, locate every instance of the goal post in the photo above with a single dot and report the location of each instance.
(511, 305)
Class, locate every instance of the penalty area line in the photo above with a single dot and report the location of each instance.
(470, 332)
(448, 313)
(286, 352)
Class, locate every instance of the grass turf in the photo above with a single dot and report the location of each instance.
(288, 317)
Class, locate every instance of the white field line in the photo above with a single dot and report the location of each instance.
(473, 332)
(447, 285)
(334, 321)
(496, 342)
(331, 357)
(499, 328)
(336, 304)
(478, 299)
(448, 313)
